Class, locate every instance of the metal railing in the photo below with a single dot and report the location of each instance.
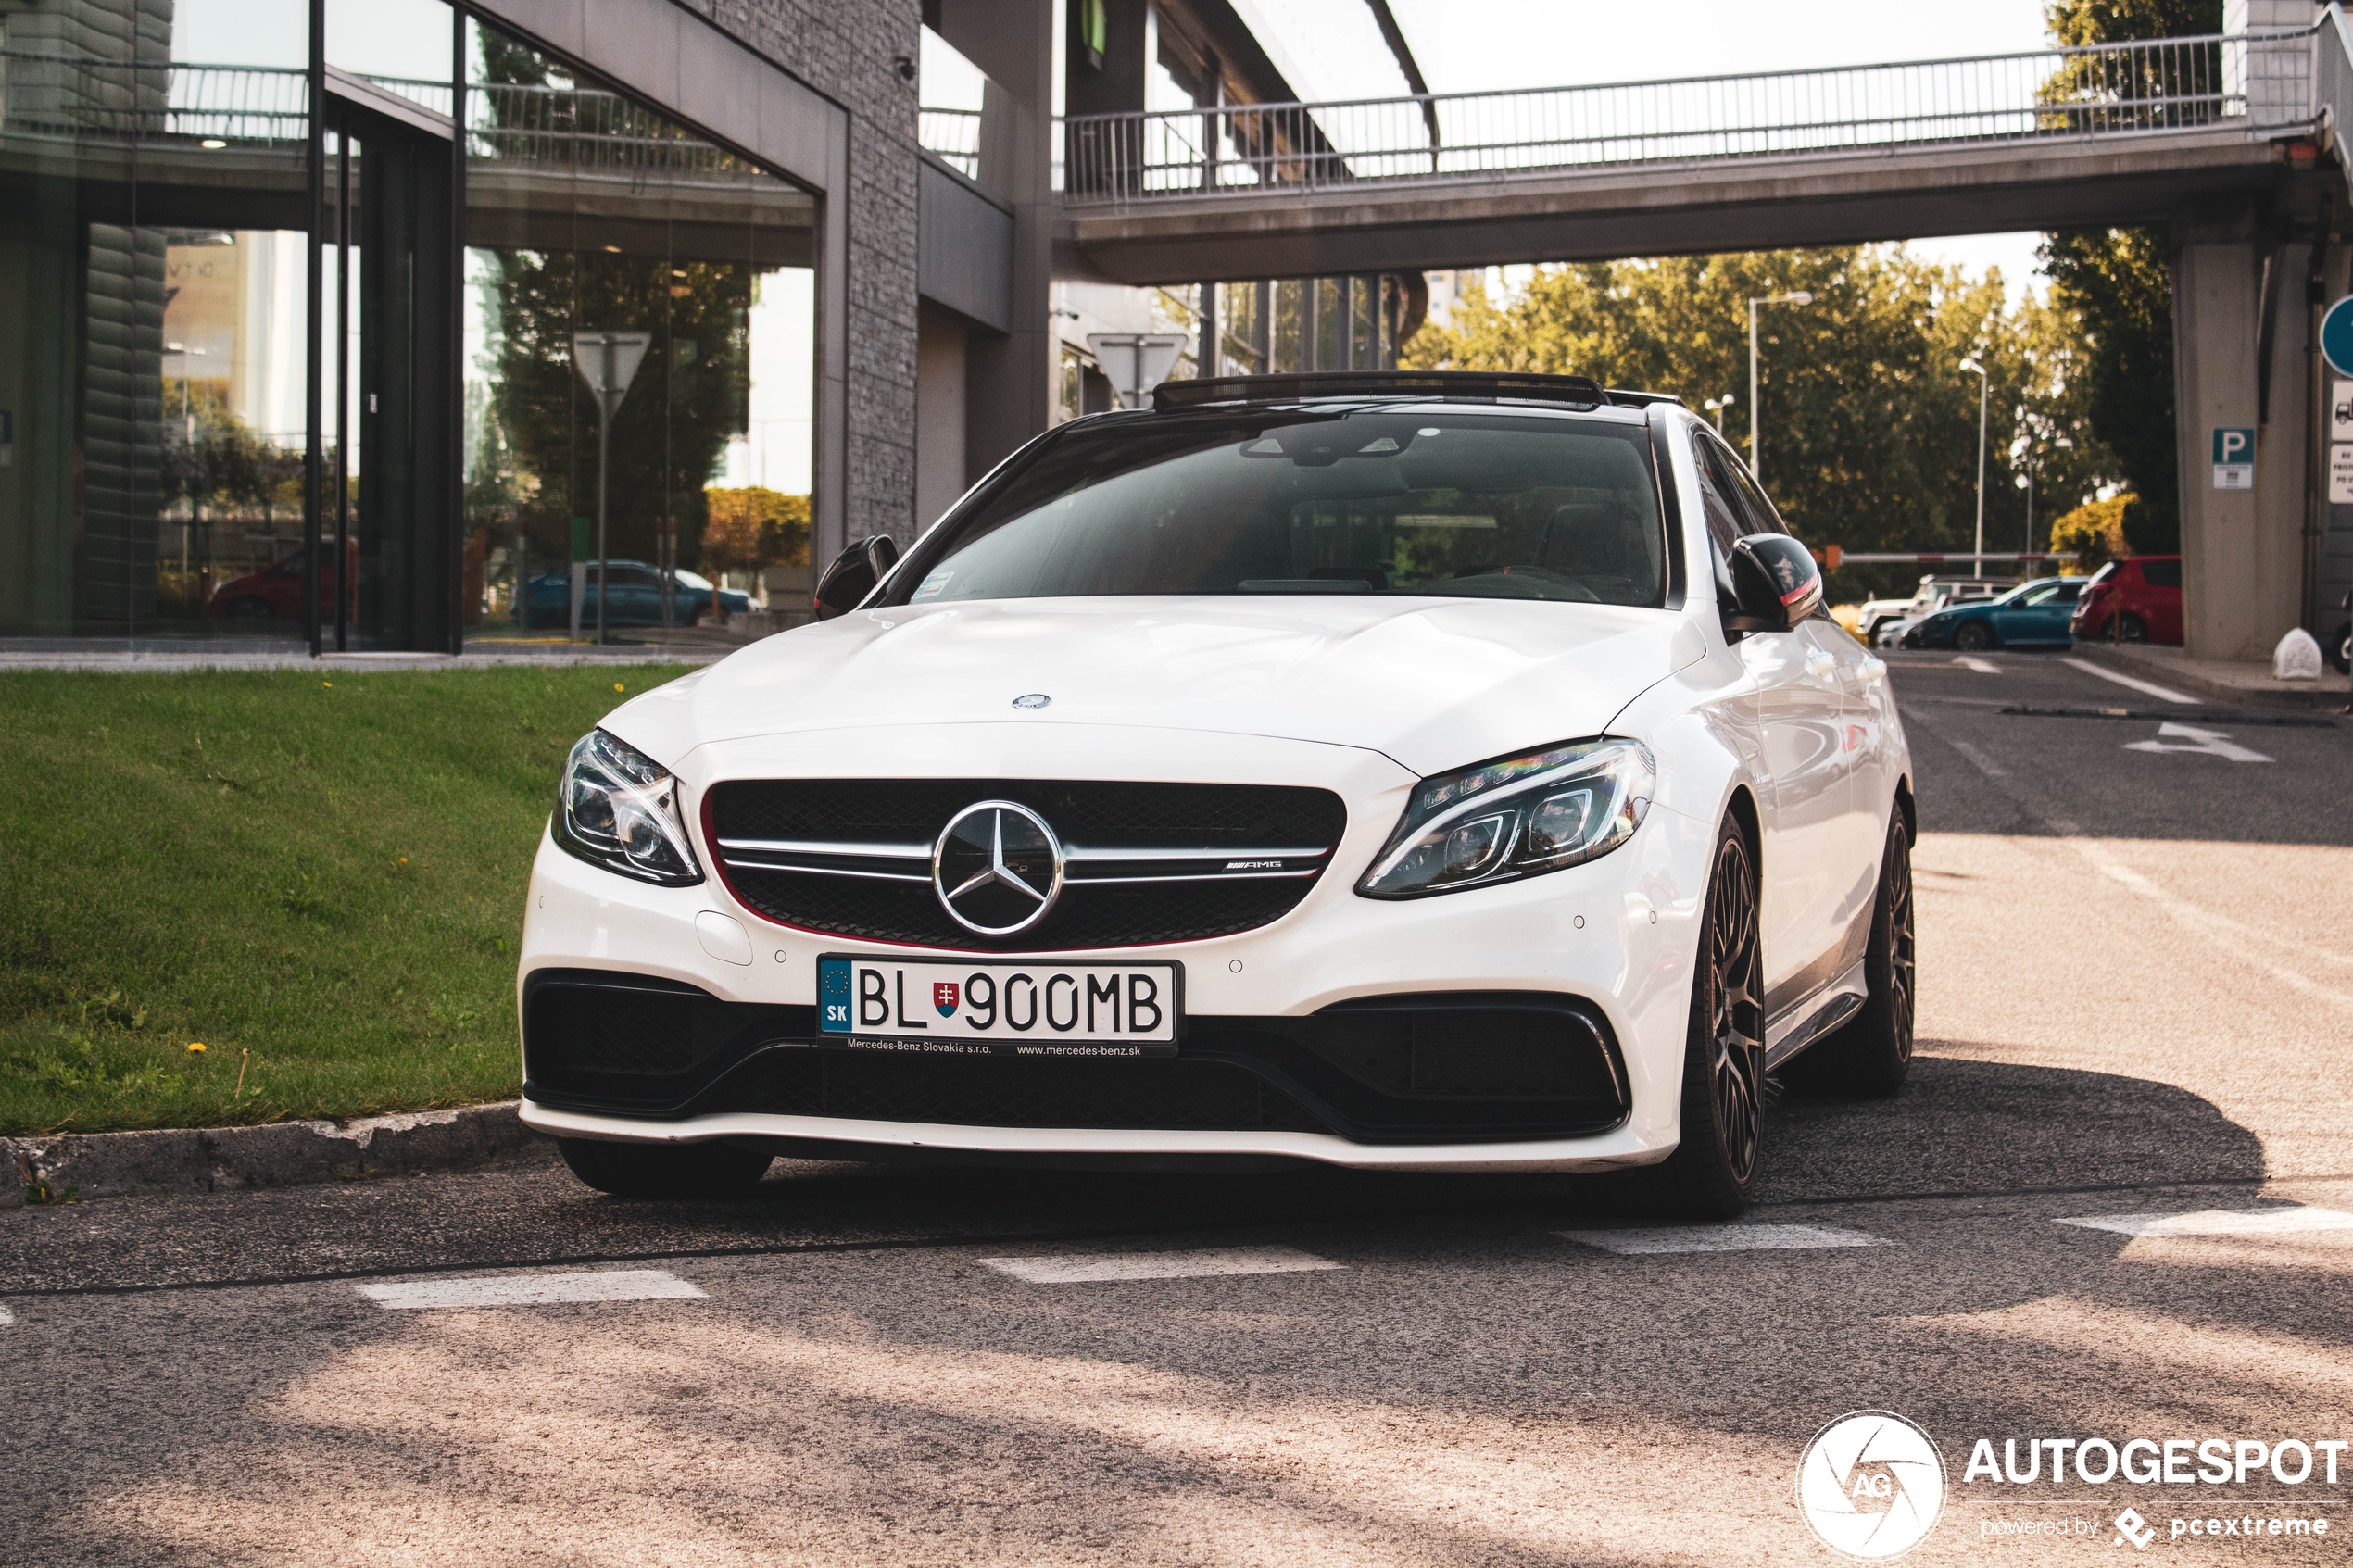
(2267, 82)
(580, 130)
(953, 136)
(78, 97)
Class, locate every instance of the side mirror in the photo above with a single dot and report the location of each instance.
(854, 575)
(1776, 585)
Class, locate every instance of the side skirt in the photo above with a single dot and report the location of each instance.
(1806, 1020)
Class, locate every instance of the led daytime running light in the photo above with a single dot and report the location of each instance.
(619, 809)
(1522, 817)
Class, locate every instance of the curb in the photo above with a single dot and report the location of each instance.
(2329, 692)
(276, 1154)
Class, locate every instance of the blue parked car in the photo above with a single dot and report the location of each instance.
(2031, 615)
(634, 598)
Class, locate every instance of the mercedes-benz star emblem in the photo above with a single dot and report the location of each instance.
(998, 868)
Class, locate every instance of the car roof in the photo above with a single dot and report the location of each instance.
(1581, 394)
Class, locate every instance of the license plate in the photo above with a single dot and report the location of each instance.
(965, 1007)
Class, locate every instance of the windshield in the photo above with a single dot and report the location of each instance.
(1420, 502)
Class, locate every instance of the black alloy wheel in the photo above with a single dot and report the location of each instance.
(2131, 628)
(1870, 1055)
(1973, 636)
(1713, 1170)
(640, 1170)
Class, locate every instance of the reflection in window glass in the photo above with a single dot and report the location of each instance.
(1427, 503)
(403, 45)
(152, 317)
(587, 213)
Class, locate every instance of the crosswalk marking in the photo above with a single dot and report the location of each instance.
(531, 1290)
(1085, 1268)
(2220, 1221)
(1721, 1238)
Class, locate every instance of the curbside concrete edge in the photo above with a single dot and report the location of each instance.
(276, 1154)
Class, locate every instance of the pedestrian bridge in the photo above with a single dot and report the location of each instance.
(2107, 134)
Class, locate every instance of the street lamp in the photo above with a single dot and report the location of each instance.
(1717, 406)
(1977, 562)
(1756, 463)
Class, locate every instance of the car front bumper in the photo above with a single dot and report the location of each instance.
(1614, 937)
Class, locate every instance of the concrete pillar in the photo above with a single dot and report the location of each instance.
(941, 413)
(2242, 550)
(1010, 378)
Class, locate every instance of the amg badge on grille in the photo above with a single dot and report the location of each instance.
(998, 868)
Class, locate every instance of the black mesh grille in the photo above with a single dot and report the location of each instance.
(605, 1029)
(1104, 815)
(1011, 1092)
(1093, 813)
(1501, 1051)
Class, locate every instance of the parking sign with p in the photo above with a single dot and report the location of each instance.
(2234, 459)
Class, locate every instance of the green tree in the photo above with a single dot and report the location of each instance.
(2117, 282)
(1869, 425)
(690, 393)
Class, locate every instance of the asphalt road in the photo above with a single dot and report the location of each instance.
(2134, 1001)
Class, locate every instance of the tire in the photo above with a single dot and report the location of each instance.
(250, 607)
(2341, 650)
(1870, 1056)
(639, 1170)
(2131, 628)
(1973, 636)
(1713, 1170)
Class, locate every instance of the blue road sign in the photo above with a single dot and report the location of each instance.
(2336, 336)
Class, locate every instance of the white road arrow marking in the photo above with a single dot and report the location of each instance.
(2214, 743)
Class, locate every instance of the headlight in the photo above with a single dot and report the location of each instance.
(618, 808)
(1524, 816)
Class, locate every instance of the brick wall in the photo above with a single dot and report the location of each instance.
(847, 50)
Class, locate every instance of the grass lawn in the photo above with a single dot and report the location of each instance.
(317, 876)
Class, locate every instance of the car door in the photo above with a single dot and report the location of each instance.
(1799, 712)
(2021, 618)
(2162, 593)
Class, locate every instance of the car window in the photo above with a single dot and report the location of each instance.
(1767, 515)
(1719, 498)
(2047, 593)
(2161, 574)
(2067, 592)
(1420, 501)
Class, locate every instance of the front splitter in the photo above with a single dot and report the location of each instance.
(1614, 1150)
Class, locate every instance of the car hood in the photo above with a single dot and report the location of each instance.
(1434, 683)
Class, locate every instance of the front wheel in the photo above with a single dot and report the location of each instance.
(1870, 1055)
(1974, 637)
(1713, 1170)
(640, 1170)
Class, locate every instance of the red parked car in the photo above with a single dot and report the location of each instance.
(2137, 599)
(275, 592)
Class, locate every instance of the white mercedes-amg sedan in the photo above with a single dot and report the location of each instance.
(1399, 770)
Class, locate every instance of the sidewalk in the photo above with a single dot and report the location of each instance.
(162, 657)
(2220, 680)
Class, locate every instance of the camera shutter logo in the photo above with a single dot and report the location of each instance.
(1871, 1485)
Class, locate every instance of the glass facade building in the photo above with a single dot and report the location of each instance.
(296, 297)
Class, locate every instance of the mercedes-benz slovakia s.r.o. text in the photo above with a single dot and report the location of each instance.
(1397, 771)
